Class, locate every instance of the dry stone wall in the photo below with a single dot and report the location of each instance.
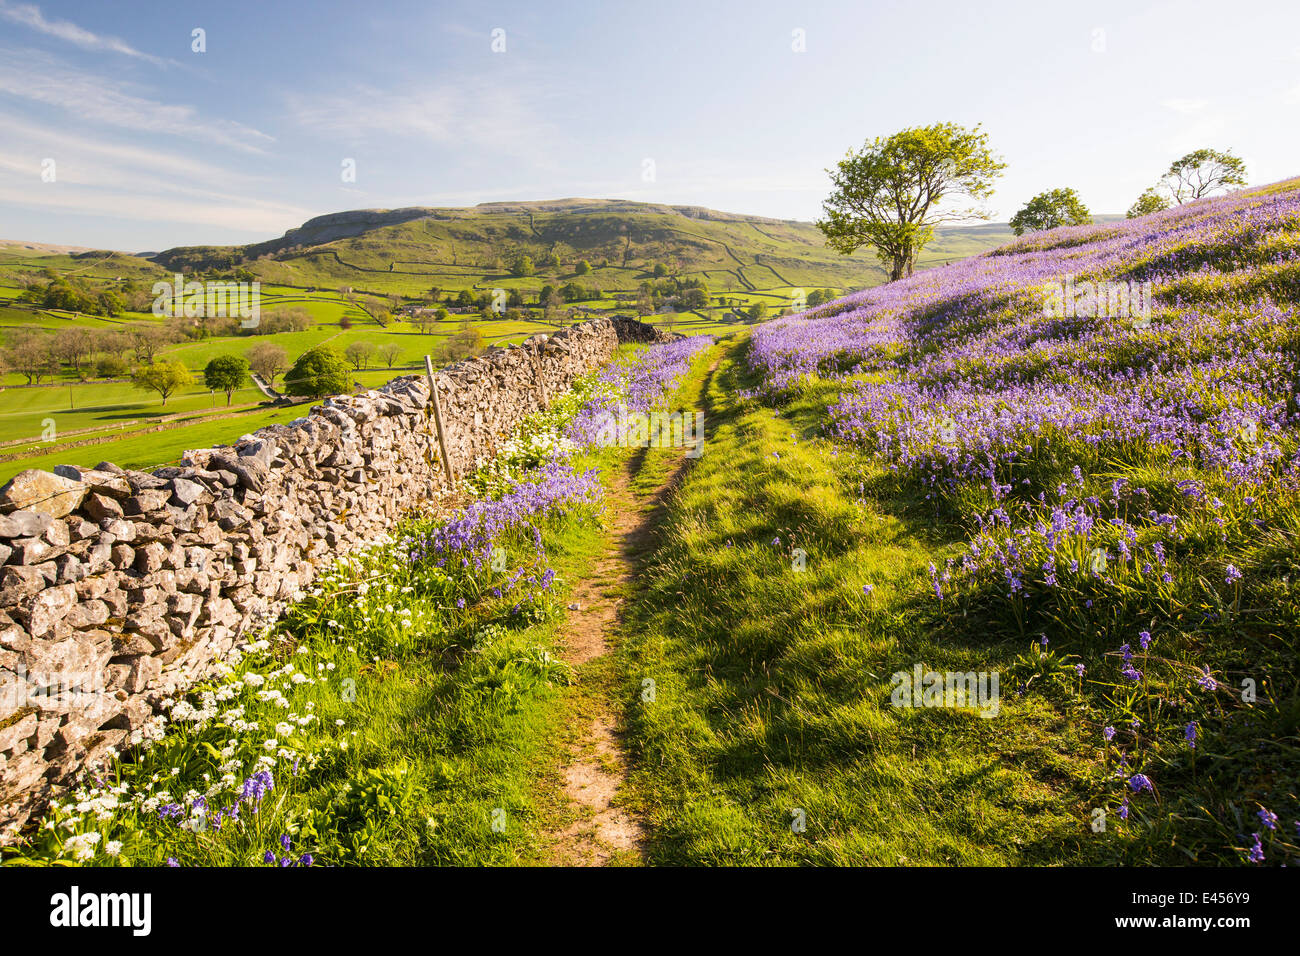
(118, 587)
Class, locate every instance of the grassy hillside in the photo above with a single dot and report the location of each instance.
(400, 255)
(944, 475)
(406, 251)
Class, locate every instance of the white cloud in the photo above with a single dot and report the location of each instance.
(30, 15)
(492, 116)
(114, 159)
(231, 212)
(97, 177)
(40, 79)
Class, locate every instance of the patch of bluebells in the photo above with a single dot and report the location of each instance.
(958, 381)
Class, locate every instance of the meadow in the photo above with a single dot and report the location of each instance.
(1092, 512)
(398, 713)
(943, 474)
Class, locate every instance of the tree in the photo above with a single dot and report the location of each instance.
(225, 373)
(522, 265)
(464, 298)
(466, 343)
(111, 366)
(359, 353)
(1149, 202)
(318, 371)
(146, 340)
(32, 356)
(390, 352)
(268, 360)
(758, 312)
(73, 346)
(659, 271)
(1047, 210)
(376, 309)
(889, 195)
(694, 296)
(165, 378)
(553, 308)
(582, 268)
(1201, 172)
(645, 300)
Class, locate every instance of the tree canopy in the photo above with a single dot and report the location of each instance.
(1050, 209)
(1202, 172)
(1149, 202)
(890, 195)
(225, 373)
(165, 378)
(318, 371)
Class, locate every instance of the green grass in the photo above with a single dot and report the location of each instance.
(433, 731)
(773, 686)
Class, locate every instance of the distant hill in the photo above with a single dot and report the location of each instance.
(408, 250)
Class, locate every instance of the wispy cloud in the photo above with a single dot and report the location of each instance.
(29, 15)
(480, 115)
(116, 159)
(96, 99)
(252, 217)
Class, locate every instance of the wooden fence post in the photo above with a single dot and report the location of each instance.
(437, 420)
(537, 371)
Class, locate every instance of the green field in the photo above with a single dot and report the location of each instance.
(81, 419)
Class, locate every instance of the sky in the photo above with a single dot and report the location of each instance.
(123, 128)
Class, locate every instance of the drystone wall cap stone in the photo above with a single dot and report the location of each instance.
(43, 492)
(103, 482)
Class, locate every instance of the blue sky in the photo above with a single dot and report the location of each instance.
(156, 145)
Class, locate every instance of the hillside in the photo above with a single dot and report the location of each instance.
(957, 577)
(405, 251)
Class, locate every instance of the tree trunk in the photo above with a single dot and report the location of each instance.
(903, 266)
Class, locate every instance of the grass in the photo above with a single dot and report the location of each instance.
(773, 707)
(411, 728)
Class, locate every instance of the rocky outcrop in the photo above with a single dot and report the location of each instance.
(120, 587)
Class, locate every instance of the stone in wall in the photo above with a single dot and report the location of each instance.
(119, 587)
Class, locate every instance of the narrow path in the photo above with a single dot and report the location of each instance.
(594, 768)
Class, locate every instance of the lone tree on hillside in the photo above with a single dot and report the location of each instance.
(225, 373)
(318, 371)
(390, 352)
(165, 378)
(1149, 202)
(1047, 210)
(1201, 172)
(888, 195)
